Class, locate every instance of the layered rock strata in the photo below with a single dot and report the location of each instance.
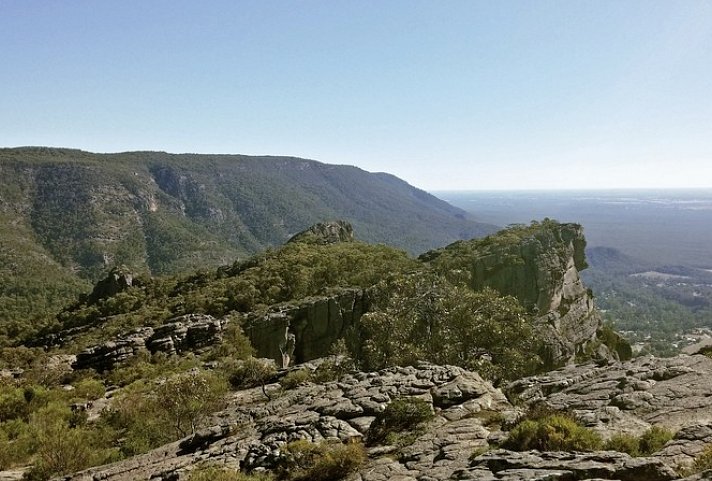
(251, 433)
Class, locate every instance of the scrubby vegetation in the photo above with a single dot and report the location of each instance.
(650, 442)
(425, 317)
(418, 310)
(399, 422)
(213, 473)
(553, 432)
(703, 462)
(325, 461)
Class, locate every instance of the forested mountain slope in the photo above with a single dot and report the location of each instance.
(68, 216)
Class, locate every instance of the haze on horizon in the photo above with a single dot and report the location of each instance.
(455, 95)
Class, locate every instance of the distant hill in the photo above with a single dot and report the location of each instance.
(67, 216)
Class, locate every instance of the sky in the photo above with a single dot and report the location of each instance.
(448, 95)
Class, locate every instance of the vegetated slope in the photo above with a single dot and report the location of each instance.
(391, 309)
(68, 216)
(171, 348)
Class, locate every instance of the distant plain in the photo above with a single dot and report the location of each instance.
(660, 227)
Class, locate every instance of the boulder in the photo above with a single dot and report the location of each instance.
(326, 233)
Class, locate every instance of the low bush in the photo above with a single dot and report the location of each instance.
(296, 378)
(250, 373)
(325, 461)
(556, 432)
(212, 473)
(651, 441)
(654, 439)
(703, 462)
(91, 389)
(624, 443)
(235, 344)
(405, 415)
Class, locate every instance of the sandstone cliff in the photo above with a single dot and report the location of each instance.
(539, 265)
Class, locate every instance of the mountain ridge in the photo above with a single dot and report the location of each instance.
(67, 216)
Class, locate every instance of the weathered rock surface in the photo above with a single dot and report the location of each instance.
(251, 432)
(316, 322)
(630, 396)
(190, 332)
(335, 410)
(562, 466)
(117, 280)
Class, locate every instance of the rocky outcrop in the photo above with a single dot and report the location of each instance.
(251, 432)
(562, 466)
(316, 323)
(340, 410)
(675, 393)
(107, 355)
(539, 265)
(630, 396)
(542, 271)
(326, 233)
(117, 280)
(190, 332)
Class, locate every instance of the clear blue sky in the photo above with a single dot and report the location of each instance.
(445, 94)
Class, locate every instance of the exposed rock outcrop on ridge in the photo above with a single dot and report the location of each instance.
(539, 265)
(326, 233)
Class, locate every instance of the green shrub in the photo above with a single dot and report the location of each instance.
(703, 462)
(91, 389)
(235, 344)
(139, 419)
(296, 378)
(60, 448)
(624, 443)
(489, 418)
(552, 433)
(325, 461)
(189, 398)
(654, 439)
(651, 441)
(251, 372)
(400, 416)
(213, 473)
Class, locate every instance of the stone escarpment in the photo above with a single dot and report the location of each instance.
(251, 433)
(539, 265)
(326, 233)
(315, 322)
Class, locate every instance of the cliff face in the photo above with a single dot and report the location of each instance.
(539, 265)
(316, 324)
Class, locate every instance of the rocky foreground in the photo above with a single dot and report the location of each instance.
(471, 418)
